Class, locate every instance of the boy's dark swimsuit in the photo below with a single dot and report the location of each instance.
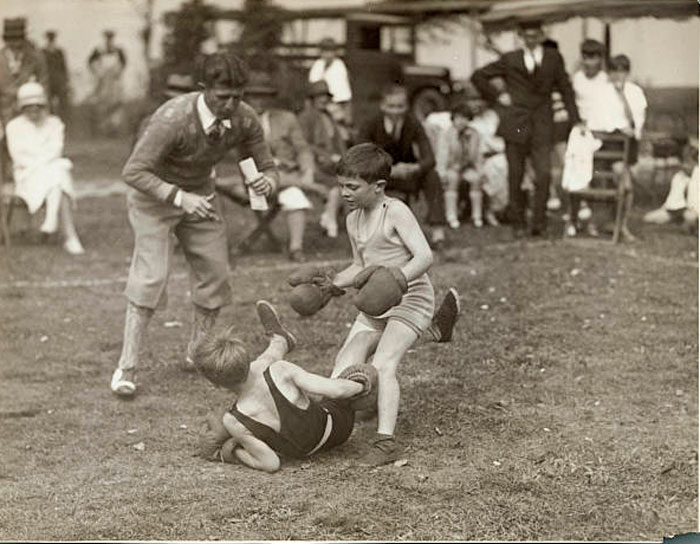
(303, 431)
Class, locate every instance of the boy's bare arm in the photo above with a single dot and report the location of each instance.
(250, 450)
(344, 278)
(313, 384)
(408, 229)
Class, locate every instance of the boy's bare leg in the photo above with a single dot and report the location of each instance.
(396, 339)
(135, 325)
(357, 349)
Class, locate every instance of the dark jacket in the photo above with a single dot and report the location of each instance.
(412, 146)
(530, 116)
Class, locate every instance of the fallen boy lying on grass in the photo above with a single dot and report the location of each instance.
(280, 408)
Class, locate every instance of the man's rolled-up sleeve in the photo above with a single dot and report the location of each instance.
(155, 143)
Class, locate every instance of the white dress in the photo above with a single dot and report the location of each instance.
(38, 167)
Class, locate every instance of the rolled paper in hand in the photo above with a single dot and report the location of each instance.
(251, 173)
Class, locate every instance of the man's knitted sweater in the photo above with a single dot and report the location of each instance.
(173, 152)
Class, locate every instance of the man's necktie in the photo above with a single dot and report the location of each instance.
(216, 131)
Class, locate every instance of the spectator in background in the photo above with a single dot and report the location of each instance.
(331, 69)
(627, 114)
(560, 134)
(293, 158)
(20, 62)
(401, 134)
(531, 74)
(58, 86)
(681, 204)
(591, 85)
(42, 175)
(107, 64)
(492, 148)
(327, 144)
(459, 161)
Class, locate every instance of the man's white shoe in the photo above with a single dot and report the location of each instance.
(122, 382)
(74, 247)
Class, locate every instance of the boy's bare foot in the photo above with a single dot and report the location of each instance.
(443, 323)
(270, 321)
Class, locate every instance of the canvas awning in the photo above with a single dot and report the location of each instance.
(506, 14)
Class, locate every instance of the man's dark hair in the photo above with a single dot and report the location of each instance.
(463, 109)
(532, 24)
(393, 88)
(592, 48)
(367, 161)
(620, 63)
(224, 70)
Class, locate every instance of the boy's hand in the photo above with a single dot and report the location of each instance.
(213, 435)
(382, 289)
(199, 206)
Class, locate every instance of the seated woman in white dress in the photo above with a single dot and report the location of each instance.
(42, 175)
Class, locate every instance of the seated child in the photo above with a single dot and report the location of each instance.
(464, 162)
(276, 412)
(681, 205)
(42, 175)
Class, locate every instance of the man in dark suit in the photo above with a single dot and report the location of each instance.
(530, 75)
(400, 134)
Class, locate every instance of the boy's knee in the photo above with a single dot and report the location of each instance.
(386, 368)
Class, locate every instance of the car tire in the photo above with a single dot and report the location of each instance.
(427, 101)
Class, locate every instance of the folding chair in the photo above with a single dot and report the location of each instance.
(264, 219)
(606, 185)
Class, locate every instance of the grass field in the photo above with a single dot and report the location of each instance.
(565, 408)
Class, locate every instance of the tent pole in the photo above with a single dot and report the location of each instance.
(607, 42)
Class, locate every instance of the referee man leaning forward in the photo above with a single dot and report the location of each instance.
(172, 192)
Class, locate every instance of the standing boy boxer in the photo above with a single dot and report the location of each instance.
(387, 242)
(172, 192)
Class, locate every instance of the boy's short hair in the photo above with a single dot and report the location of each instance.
(463, 109)
(222, 358)
(592, 48)
(394, 89)
(620, 63)
(225, 70)
(368, 162)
